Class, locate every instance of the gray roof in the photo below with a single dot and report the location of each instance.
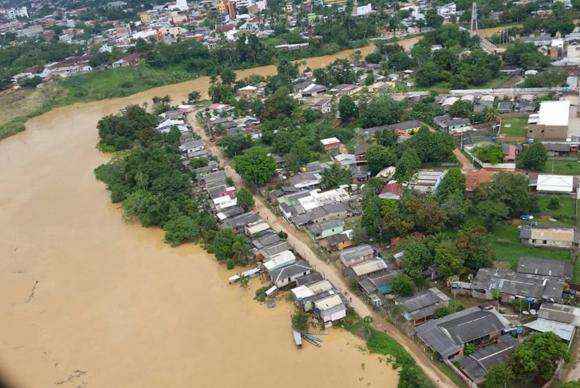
(266, 240)
(519, 284)
(424, 304)
(557, 312)
(545, 267)
(449, 334)
(330, 224)
(476, 365)
(289, 271)
(311, 278)
(232, 211)
(274, 249)
(241, 220)
(352, 254)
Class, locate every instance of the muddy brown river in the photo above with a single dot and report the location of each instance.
(89, 300)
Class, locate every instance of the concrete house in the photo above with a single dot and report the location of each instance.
(545, 267)
(284, 276)
(476, 365)
(547, 237)
(447, 336)
(326, 229)
(422, 307)
(512, 285)
(330, 309)
(553, 121)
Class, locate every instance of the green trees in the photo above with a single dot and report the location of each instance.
(432, 147)
(347, 108)
(408, 165)
(193, 97)
(119, 132)
(452, 183)
(491, 153)
(235, 144)
(402, 285)
(533, 362)
(526, 56)
(379, 157)
(532, 157)
(255, 166)
(181, 229)
(245, 198)
(381, 110)
(300, 321)
(334, 177)
(228, 245)
(546, 79)
(511, 190)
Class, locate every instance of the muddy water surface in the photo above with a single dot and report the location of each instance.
(89, 300)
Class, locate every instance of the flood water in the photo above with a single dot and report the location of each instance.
(89, 300)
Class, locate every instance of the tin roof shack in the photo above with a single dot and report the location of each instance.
(476, 365)
(426, 181)
(545, 267)
(326, 229)
(547, 237)
(280, 260)
(452, 124)
(270, 251)
(553, 121)
(513, 285)
(378, 283)
(356, 255)
(306, 295)
(422, 307)
(447, 336)
(238, 223)
(357, 271)
(265, 240)
(305, 180)
(330, 309)
(558, 318)
(255, 228)
(555, 183)
(287, 275)
(336, 242)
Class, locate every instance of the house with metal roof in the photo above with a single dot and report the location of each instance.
(365, 268)
(280, 260)
(356, 255)
(547, 183)
(513, 285)
(545, 267)
(422, 307)
(476, 365)
(447, 336)
(270, 251)
(548, 237)
(326, 228)
(560, 319)
(330, 309)
(286, 275)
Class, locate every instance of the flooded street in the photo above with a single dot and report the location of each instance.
(89, 300)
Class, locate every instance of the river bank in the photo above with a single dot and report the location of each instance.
(92, 300)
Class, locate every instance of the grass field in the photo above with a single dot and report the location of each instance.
(514, 126)
(565, 214)
(12, 127)
(564, 166)
(505, 242)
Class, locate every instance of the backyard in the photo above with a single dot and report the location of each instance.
(514, 126)
(506, 244)
(564, 214)
(563, 166)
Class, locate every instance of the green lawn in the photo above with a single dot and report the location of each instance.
(505, 242)
(563, 166)
(514, 126)
(565, 214)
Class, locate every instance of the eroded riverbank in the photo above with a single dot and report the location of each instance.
(89, 300)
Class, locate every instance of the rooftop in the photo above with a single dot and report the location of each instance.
(554, 113)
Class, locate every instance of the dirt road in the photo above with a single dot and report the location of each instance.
(299, 241)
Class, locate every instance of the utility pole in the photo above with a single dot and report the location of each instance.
(474, 27)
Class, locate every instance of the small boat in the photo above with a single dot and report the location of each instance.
(312, 339)
(248, 274)
(271, 290)
(297, 338)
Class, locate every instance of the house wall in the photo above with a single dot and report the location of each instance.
(544, 132)
(547, 243)
(331, 232)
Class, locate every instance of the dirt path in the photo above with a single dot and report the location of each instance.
(299, 241)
